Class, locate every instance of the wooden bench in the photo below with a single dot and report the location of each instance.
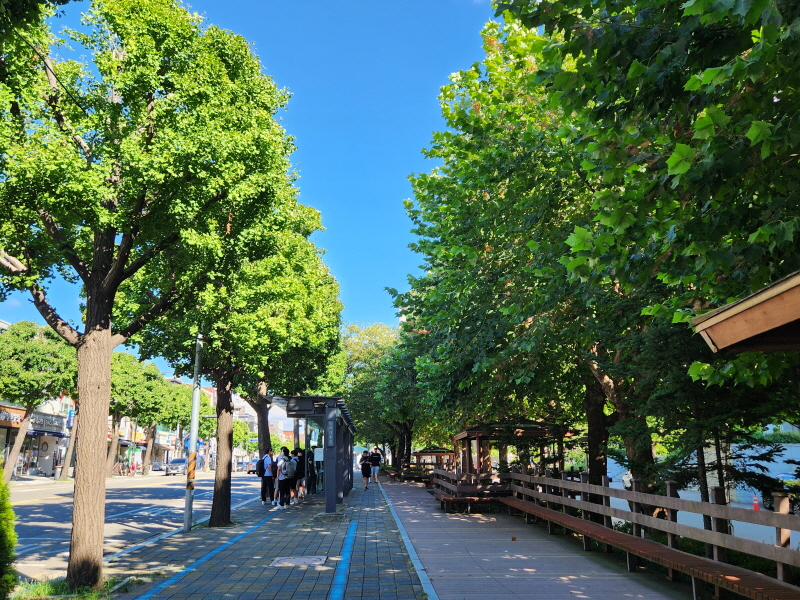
(393, 475)
(741, 581)
(447, 500)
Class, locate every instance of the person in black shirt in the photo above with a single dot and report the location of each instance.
(375, 458)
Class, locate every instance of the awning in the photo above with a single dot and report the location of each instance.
(37, 432)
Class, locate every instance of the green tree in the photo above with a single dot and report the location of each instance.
(8, 539)
(152, 168)
(135, 388)
(35, 365)
(275, 320)
(686, 114)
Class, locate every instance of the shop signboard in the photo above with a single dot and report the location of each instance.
(48, 423)
(11, 417)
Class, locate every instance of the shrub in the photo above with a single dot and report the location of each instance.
(8, 539)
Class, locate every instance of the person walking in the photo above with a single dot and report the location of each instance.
(375, 458)
(366, 468)
(293, 479)
(285, 475)
(267, 472)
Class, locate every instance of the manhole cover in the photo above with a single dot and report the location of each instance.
(297, 561)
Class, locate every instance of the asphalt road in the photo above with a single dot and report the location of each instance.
(137, 509)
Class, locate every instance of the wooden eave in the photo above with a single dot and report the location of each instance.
(767, 320)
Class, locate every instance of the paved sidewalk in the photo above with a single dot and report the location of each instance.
(359, 551)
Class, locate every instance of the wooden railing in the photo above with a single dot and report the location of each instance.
(573, 497)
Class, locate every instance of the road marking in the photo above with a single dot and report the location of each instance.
(205, 558)
(343, 567)
(158, 538)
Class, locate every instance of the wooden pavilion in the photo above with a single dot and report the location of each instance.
(767, 320)
(441, 458)
(473, 445)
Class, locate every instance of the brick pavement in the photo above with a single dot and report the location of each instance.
(379, 569)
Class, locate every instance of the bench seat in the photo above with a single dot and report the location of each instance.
(447, 500)
(741, 581)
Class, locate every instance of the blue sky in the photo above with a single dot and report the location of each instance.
(365, 76)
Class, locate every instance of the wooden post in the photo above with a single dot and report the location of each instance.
(720, 525)
(565, 493)
(607, 518)
(672, 539)
(485, 450)
(781, 535)
(587, 544)
(636, 486)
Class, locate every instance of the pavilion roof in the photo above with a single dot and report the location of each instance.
(767, 320)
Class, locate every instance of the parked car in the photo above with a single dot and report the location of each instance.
(156, 466)
(240, 466)
(251, 466)
(177, 466)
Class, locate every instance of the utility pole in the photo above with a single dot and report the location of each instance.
(191, 463)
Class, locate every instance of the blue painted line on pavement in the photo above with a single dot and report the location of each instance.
(343, 568)
(205, 558)
(427, 586)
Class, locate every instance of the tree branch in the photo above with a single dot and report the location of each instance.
(605, 381)
(55, 232)
(13, 264)
(59, 325)
(53, 102)
(131, 269)
(158, 308)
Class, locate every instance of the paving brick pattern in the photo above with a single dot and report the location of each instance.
(380, 568)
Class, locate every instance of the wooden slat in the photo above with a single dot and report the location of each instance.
(741, 581)
(770, 552)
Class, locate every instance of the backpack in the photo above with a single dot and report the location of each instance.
(261, 470)
(288, 468)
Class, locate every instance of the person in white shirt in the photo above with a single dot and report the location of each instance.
(268, 479)
(283, 480)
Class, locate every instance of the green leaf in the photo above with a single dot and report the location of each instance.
(759, 131)
(681, 159)
(580, 239)
(636, 69)
(587, 165)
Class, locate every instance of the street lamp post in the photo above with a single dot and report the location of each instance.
(191, 465)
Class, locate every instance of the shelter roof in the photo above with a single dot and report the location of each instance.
(309, 407)
(522, 428)
(767, 320)
(434, 450)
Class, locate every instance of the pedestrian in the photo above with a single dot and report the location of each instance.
(293, 479)
(267, 472)
(375, 458)
(366, 468)
(300, 476)
(285, 475)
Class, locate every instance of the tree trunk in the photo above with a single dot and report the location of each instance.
(221, 506)
(262, 405)
(13, 455)
(407, 448)
(296, 432)
(88, 513)
(393, 451)
(111, 458)
(67, 463)
(148, 453)
(594, 402)
(720, 466)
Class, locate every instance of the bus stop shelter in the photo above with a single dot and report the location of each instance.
(337, 429)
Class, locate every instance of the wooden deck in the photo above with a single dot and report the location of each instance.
(474, 556)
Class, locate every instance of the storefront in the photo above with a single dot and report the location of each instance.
(41, 452)
(10, 421)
